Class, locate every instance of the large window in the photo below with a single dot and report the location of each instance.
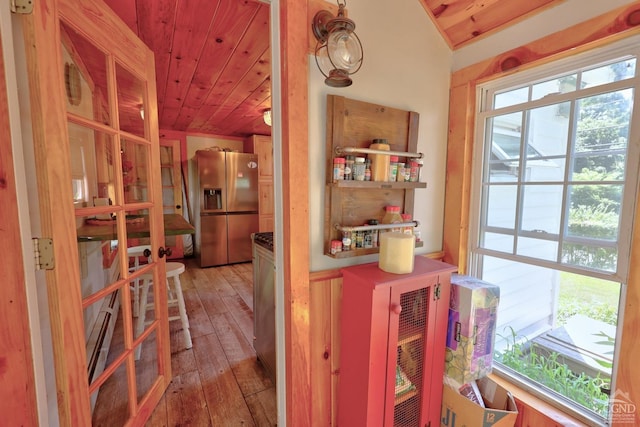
(555, 181)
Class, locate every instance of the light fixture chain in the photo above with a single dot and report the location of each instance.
(342, 3)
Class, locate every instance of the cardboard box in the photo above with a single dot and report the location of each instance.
(458, 411)
(472, 326)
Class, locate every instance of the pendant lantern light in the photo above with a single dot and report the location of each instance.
(266, 116)
(338, 52)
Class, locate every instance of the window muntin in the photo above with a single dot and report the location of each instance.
(583, 313)
(526, 189)
(609, 73)
(568, 147)
(562, 84)
(512, 97)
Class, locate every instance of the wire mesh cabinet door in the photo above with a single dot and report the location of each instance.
(393, 344)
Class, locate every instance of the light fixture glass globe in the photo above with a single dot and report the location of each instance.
(266, 116)
(322, 59)
(345, 50)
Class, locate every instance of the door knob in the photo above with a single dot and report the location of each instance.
(396, 308)
(162, 252)
(146, 253)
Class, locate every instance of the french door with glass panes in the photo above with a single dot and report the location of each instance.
(98, 173)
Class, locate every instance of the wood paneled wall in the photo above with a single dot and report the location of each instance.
(326, 294)
(597, 32)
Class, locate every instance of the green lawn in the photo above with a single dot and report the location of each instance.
(595, 298)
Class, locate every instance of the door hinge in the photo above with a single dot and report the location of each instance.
(22, 6)
(436, 292)
(43, 253)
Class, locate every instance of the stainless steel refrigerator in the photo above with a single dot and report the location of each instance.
(228, 206)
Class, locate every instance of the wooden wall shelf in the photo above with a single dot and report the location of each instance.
(355, 124)
(360, 252)
(377, 185)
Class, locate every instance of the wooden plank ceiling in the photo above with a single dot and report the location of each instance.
(463, 21)
(213, 60)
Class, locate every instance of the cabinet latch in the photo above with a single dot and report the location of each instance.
(436, 292)
(43, 253)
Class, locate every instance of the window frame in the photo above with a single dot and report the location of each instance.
(485, 90)
(586, 60)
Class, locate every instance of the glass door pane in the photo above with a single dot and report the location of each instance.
(111, 158)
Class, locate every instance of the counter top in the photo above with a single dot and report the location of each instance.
(174, 224)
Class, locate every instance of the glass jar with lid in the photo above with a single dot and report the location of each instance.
(346, 240)
(338, 168)
(408, 229)
(358, 169)
(348, 168)
(379, 162)
(374, 233)
(393, 168)
(414, 170)
(392, 216)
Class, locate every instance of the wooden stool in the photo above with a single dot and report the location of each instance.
(136, 252)
(174, 298)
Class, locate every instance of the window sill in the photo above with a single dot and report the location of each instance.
(533, 411)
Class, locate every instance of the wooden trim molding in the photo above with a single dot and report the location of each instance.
(600, 31)
(533, 411)
(17, 395)
(597, 32)
(294, 29)
(586, 35)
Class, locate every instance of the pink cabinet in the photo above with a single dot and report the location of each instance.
(392, 345)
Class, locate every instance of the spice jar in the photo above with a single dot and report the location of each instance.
(407, 171)
(380, 162)
(393, 168)
(359, 239)
(392, 216)
(367, 170)
(348, 168)
(336, 246)
(346, 241)
(407, 229)
(374, 233)
(368, 238)
(414, 171)
(401, 172)
(338, 168)
(358, 169)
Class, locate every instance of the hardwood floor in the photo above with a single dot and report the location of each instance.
(219, 381)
